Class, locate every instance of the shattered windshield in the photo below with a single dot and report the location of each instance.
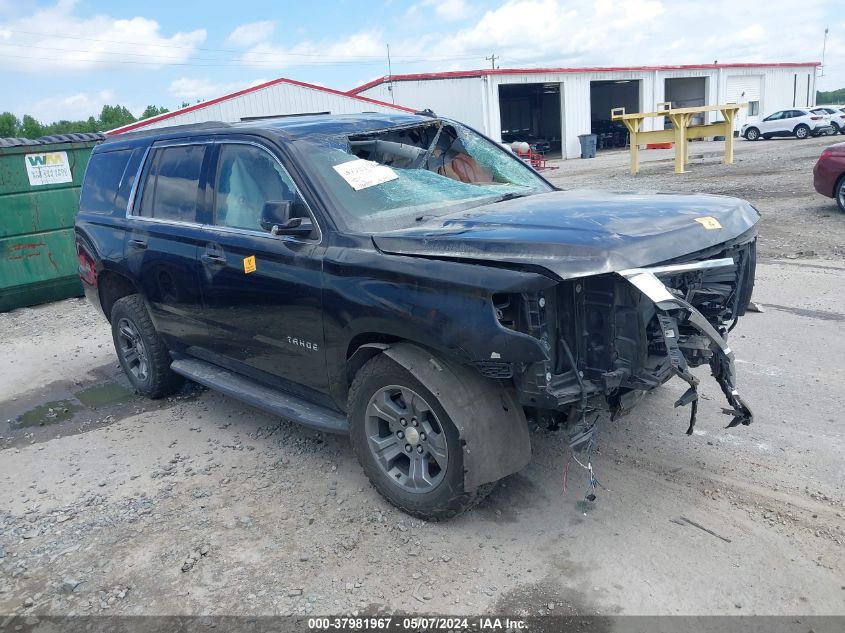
(389, 179)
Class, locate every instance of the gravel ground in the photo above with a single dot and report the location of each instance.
(197, 504)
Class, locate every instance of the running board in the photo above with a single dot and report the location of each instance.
(270, 400)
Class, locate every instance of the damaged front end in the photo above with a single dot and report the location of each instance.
(611, 338)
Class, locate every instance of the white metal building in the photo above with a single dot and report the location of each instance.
(280, 97)
(558, 104)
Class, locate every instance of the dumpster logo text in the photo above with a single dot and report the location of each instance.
(48, 169)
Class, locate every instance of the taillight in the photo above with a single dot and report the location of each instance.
(842, 116)
(815, 118)
(87, 267)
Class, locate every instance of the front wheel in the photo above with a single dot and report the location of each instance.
(802, 132)
(839, 193)
(140, 350)
(752, 134)
(407, 444)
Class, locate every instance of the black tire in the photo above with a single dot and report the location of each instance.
(445, 500)
(802, 132)
(839, 193)
(140, 350)
(836, 129)
(752, 134)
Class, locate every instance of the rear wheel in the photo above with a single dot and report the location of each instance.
(140, 350)
(407, 444)
(802, 132)
(839, 193)
(752, 134)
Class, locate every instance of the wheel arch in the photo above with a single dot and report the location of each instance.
(490, 421)
(112, 286)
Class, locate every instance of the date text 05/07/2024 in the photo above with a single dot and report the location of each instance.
(416, 623)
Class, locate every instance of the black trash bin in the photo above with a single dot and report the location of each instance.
(588, 145)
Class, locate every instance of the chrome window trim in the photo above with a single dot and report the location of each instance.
(255, 232)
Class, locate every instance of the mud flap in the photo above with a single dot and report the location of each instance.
(490, 422)
(672, 310)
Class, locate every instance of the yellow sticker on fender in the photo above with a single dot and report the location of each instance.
(249, 264)
(709, 223)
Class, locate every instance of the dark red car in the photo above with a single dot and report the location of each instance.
(829, 174)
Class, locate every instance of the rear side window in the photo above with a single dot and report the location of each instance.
(102, 180)
(172, 184)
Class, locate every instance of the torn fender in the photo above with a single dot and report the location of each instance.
(673, 310)
(489, 420)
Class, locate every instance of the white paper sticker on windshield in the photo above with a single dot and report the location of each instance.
(361, 174)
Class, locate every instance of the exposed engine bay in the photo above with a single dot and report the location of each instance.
(611, 338)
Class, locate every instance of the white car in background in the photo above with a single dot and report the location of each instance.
(798, 122)
(836, 114)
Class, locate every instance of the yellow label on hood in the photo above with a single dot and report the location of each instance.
(709, 223)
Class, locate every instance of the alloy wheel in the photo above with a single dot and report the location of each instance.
(132, 349)
(406, 439)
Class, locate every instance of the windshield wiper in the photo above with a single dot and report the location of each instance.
(511, 196)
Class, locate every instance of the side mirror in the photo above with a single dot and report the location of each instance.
(276, 218)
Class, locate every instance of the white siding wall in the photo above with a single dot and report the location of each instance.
(459, 99)
(475, 100)
(278, 99)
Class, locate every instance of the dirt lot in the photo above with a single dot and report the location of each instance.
(110, 503)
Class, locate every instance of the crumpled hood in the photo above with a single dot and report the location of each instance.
(579, 232)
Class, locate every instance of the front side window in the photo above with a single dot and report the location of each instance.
(172, 184)
(247, 178)
(392, 178)
(774, 117)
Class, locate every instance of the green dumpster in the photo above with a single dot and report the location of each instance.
(39, 197)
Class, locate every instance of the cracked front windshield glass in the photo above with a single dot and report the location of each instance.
(394, 178)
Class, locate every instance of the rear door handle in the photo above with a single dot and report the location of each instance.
(214, 259)
(136, 243)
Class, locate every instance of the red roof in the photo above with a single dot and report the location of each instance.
(281, 80)
(460, 74)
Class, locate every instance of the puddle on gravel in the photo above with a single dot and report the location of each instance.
(47, 413)
(102, 395)
(67, 407)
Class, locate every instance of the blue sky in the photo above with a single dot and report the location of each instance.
(66, 58)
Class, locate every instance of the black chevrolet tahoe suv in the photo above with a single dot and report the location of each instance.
(408, 282)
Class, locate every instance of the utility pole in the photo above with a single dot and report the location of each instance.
(492, 60)
(824, 48)
(390, 76)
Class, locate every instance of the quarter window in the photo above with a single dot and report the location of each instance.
(247, 178)
(172, 184)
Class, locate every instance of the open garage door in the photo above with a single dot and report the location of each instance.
(745, 89)
(687, 92)
(606, 95)
(531, 113)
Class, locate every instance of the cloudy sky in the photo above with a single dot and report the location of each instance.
(66, 58)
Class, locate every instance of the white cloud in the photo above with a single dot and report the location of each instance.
(449, 10)
(130, 43)
(252, 33)
(69, 107)
(192, 88)
(362, 45)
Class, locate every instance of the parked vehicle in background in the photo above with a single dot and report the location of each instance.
(408, 282)
(798, 122)
(829, 174)
(837, 117)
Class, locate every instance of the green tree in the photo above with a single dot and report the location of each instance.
(30, 127)
(152, 110)
(832, 96)
(9, 125)
(115, 116)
